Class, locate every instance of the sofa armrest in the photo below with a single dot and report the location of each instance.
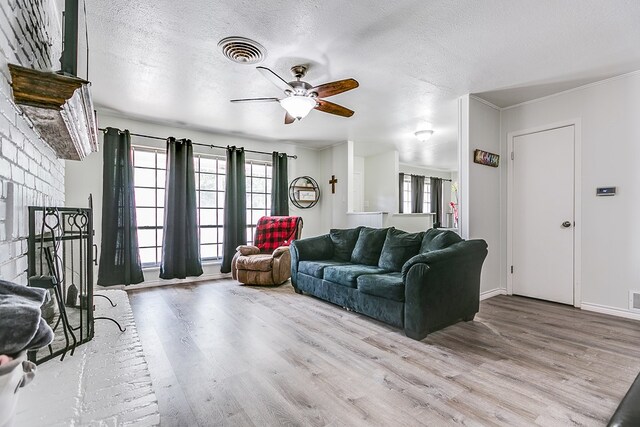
(248, 250)
(628, 411)
(445, 254)
(281, 268)
(242, 250)
(312, 248)
(442, 287)
(280, 251)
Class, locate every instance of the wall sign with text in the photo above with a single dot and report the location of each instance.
(486, 158)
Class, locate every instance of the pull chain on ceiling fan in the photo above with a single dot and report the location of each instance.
(301, 97)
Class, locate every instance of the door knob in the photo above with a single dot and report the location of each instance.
(566, 224)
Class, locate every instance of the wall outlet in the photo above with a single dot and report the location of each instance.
(634, 301)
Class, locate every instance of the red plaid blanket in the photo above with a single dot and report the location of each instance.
(275, 231)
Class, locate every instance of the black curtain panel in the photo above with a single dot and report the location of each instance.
(235, 207)
(436, 201)
(417, 193)
(401, 193)
(119, 255)
(279, 185)
(180, 242)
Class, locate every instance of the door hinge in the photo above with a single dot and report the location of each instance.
(512, 269)
(512, 155)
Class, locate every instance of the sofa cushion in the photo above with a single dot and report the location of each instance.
(398, 247)
(347, 275)
(369, 245)
(316, 268)
(435, 239)
(343, 242)
(389, 285)
(258, 262)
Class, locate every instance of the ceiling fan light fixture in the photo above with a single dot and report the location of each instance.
(298, 106)
(424, 135)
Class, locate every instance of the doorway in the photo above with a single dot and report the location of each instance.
(542, 214)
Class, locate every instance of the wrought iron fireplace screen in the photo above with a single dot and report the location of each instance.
(61, 260)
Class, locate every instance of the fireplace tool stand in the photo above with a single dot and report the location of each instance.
(109, 318)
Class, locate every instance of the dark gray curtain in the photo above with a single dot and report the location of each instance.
(235, 207)
(436, 201)
(119, 256)
(401, 198)
(417, 193)
(180, 242)
(279, 185)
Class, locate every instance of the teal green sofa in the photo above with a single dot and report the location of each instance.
(420, 282)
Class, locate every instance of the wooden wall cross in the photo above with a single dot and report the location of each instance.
(333, 181)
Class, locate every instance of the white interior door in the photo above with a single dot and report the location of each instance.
(543, 215)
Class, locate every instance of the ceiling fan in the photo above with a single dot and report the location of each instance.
(301, 97)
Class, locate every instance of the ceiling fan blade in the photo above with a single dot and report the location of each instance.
(331, 108)
(255, 100)
(275, 79)
(288, 119)
(334, 88)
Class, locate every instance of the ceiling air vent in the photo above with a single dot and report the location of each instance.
(242, 50)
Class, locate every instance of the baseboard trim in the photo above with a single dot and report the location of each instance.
(161, 282)
(492, 293)
(613, 311)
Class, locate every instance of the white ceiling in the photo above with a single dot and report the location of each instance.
(159, 60)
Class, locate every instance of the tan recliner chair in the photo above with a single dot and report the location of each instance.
(269, 261)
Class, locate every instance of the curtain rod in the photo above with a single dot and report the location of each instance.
(199, 143)
(411, 174)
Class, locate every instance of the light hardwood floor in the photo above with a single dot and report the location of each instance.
(221, 353)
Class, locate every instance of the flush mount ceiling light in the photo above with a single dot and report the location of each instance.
(298, 106)
(242, 50)
(424, 135)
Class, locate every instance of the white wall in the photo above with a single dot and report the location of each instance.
(411, 223)
(381, 183)
(480, 187)
(334, 160)
(609, 113)
(417, 170)
(83, 178)
(30, 173)
(359, 179)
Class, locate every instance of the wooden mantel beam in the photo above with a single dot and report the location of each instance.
(60, 107)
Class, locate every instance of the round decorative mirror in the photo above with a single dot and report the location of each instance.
(304, 192)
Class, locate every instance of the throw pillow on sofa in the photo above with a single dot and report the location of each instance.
(435, 239)
(398, 247)
(369, 245)
(343, 242)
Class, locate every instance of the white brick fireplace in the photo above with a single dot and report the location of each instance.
(30, 173)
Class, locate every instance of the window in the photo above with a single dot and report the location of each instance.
(406, 190)
(258, 194)
(426, 206)
(407, 199)
(149, 182)
(210, 175)
(148, 177)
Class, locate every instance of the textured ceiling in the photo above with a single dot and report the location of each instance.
(160, 60)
